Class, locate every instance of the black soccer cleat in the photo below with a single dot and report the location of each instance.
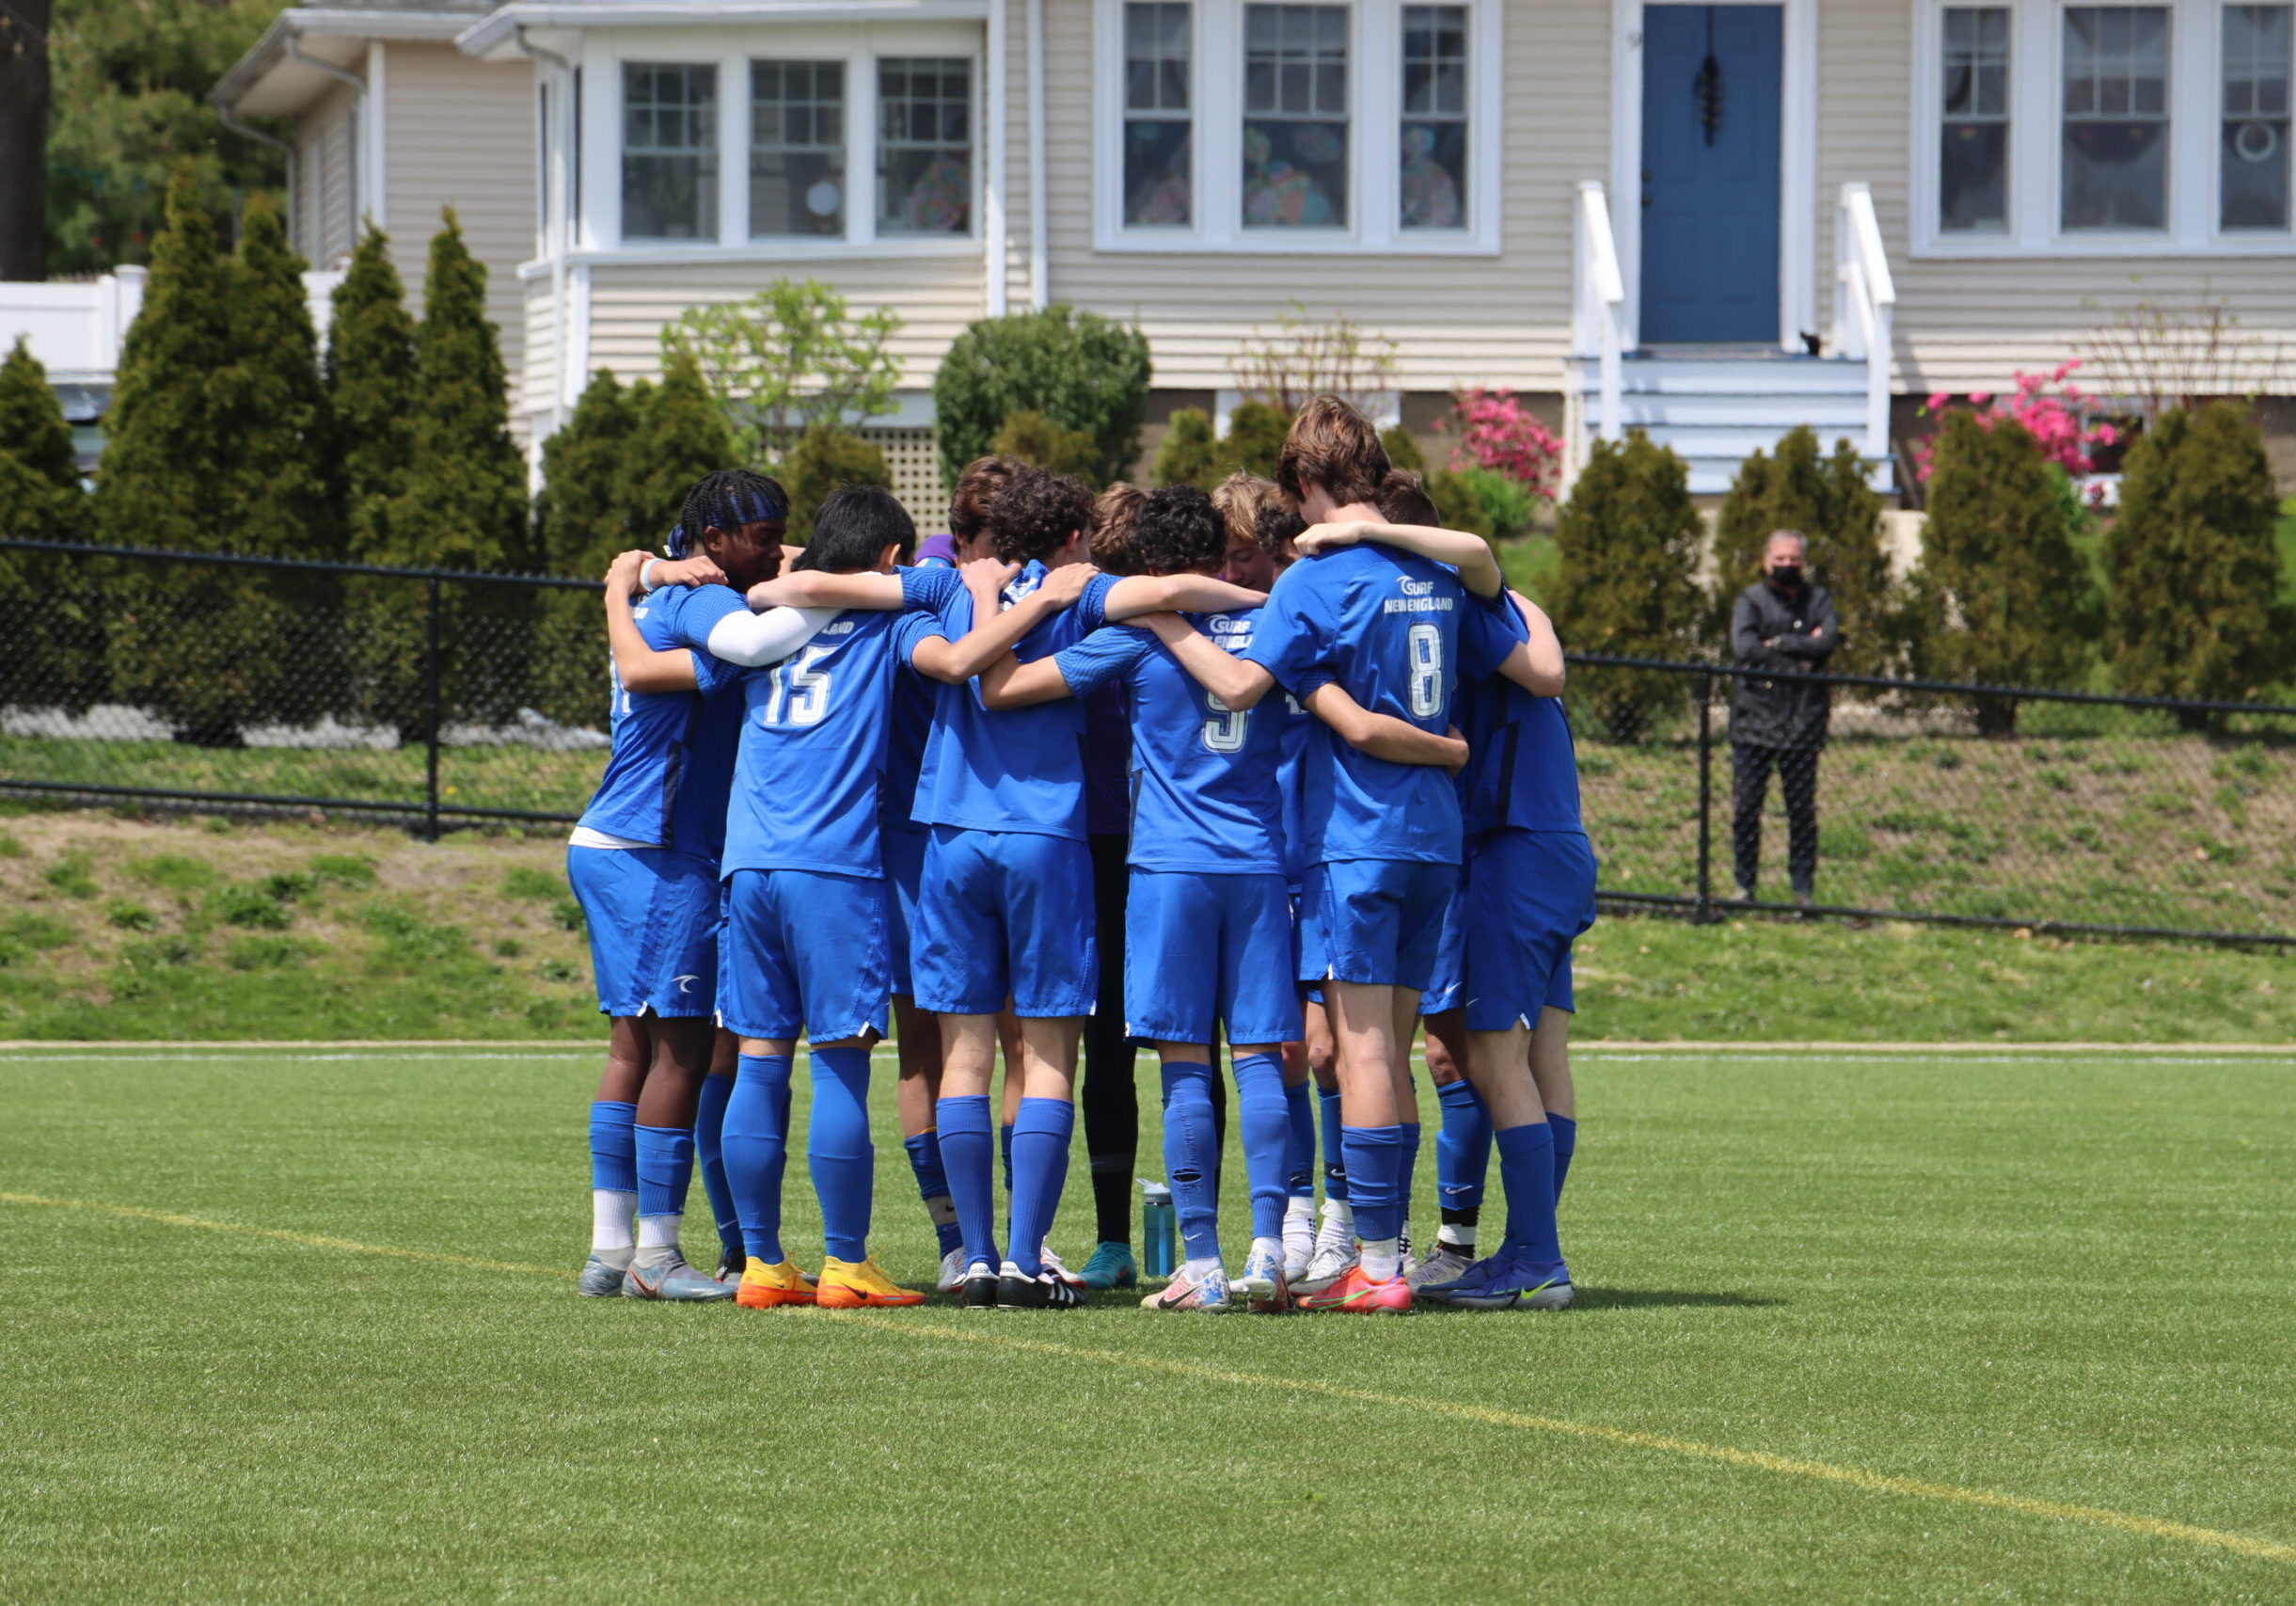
(978, 1290)
(1046, 1291)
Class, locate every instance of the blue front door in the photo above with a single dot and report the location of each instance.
(1710, 113)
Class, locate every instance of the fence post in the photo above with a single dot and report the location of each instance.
(431, 724)
(1706, 800)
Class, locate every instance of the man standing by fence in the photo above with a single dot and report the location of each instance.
(1785, 626)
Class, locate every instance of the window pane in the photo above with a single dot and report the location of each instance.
(2253, 154)
(1158, 132)
(796, 148)
(2116, 133)
(924, 146)
(669, 150)
(1434, 170)
(1973, 139)
(1295, 129)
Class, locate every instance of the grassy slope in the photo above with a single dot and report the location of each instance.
(2059, 1282)
(388, 937)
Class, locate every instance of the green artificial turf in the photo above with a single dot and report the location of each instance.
(2058, 1279)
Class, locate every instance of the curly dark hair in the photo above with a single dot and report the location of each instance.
(977, 488)
(1036, 513)
(1277, 526)
(1177, 532)
(1110, 540)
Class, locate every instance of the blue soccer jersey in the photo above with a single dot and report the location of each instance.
(814, 737)
(1004, 769)
(1206, 795)
(668, 776)
(1383, 626)
(1522, 772)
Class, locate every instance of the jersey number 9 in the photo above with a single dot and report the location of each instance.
(1426, 646)
(798, 690)
(1224, 731)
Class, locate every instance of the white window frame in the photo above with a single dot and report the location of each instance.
(1375, 116)
(732, 50)
(2037, 80)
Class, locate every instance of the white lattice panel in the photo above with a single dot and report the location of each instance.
(916, 462)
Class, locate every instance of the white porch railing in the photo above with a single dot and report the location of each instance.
(1865, 301)
(1599, 313)
(76, 328)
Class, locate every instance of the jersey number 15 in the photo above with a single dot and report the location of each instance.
(797, 689)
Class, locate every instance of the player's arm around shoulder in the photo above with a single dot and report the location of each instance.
(1383, 735)
(1460, 549)
(1135, 595)
(637, 664)
(1238, 682)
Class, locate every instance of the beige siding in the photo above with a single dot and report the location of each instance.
(1968, 325)
(533, 385)
(462, 135)
(1486, 319)
(326, 134)
(937, 296)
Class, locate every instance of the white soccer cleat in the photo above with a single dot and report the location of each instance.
(952, 1275)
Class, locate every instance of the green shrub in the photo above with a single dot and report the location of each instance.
(790, 360)
(525, 880)
(1508, 505)
(53, 656)
(1828, 501)
(1457, 504)
(130, 916)
(2194, 566)
(1031, 437)
(2004, 596)
(1402, 451)
(174, 872)
(344, 869)
(1626, 575)
(1190, 452)
(818, 465)
(1078, 369)
(1254, 441)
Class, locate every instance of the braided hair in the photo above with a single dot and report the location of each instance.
(726, 499)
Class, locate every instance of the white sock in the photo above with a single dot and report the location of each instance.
(1198, 1271)
(1297, 1209)
(1270, 1247)
(1457, 1237)
(1382, 1259)
(611, 1210)
(1338, 1213)
(656, 1239)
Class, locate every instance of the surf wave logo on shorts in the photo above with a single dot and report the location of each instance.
(685, 983)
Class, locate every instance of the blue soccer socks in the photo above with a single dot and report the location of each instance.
(838, 1150)
(1039, 1167)
(1566, 1140)
(755, 1143)
(933, 1188)
(613, 1151)
(665, 1169)
(1375, 1179)
(968, 1155)
(1527, 1172)
(1463, 1148)
(1265, 1120)
(1191, 1150)
(1299, 1157)
(1335, 1151)
(708, 1139)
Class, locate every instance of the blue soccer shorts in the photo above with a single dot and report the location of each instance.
(1202, 951)
(653, 916)
(1447, 984)
(904, 855)
(1004, 913)
(1375, 922)
(1528, 896)
(1311, 992)
(803, 951)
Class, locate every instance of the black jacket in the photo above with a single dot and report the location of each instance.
(1787, 710)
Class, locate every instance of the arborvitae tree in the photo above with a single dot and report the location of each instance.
(2193, 566)
(465, 502)
(55, 645)
(1031, 437)
(282, 440)
(818, 465)
(370, 394)
(681, 436)
(1828, 501)
(1255, 438)
(2004, 596)
(1626, 578)
(1188, 455)
(582, 512)
(1402, 451)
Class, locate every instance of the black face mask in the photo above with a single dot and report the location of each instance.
(1786, 577)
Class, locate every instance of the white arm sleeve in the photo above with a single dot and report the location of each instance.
(754, 639)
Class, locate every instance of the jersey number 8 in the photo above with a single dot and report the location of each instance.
(1426, 646)
(794, 683)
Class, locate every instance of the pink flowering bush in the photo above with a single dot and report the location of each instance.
(2058, 422)
(1496, 431)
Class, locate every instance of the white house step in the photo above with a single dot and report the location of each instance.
(1715, 411)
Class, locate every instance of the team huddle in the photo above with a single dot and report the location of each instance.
(855, 784)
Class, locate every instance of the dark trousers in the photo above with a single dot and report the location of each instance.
(1796, 770)
(1108, 1096)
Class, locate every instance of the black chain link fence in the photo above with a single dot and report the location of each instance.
(446, 698)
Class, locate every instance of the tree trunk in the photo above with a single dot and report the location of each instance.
(23, 140)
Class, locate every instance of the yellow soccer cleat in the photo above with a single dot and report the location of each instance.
(765, 1286)
(847, 1286)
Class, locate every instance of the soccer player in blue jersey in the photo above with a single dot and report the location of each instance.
(1209, 923)
(1006, 909)
(1385, 626)
(642, 862)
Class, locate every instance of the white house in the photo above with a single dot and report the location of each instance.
(1646, 213)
